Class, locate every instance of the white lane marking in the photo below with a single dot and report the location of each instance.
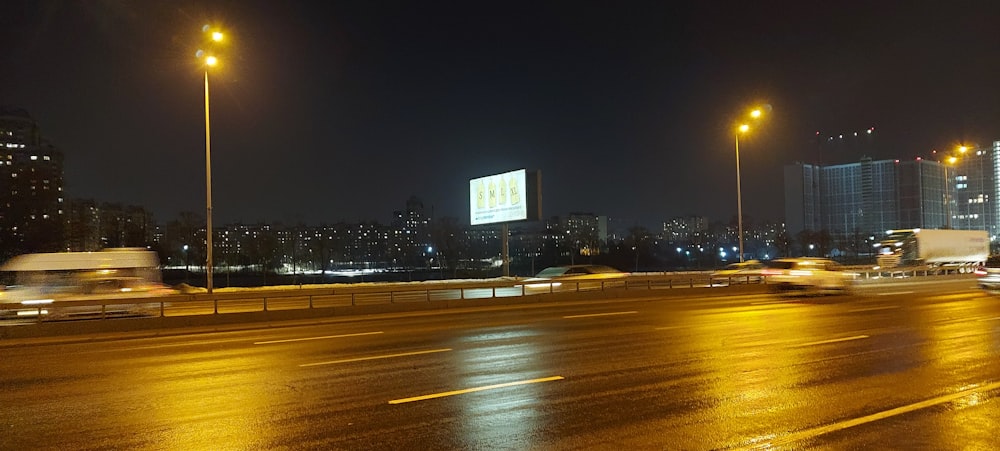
(894, 293)
(817, 431)
(599, 314)
(872, 309)
(835, 340)
(772, 302)
(989, 319)
(290, 340)
(376, 357)
(475, 389)
(169, 345)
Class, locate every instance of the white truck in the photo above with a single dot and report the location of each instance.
(959, 250)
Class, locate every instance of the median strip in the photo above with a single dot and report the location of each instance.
(290, 340)
(377, 357)
(599, 314)
(475, 389)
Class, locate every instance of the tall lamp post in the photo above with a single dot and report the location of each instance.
(755, 114)
(947, 191)
(209, 60)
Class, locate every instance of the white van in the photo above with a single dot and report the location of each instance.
(60, 284)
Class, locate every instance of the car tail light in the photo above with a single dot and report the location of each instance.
(980, 271)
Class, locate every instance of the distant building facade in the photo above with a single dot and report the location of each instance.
(31, 187)
(869, 197)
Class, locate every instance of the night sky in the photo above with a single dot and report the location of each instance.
(329, 111)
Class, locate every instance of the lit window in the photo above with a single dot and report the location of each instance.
(34, 157)
(46, 158)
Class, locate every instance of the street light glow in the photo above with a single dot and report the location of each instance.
(211, 61)
(217, 36)
(755, 113)
(962, 149)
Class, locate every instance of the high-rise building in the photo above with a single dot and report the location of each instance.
(31, 187)
(973, 189)
(869, 197)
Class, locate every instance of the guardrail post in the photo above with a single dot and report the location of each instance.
(670, 283)
(461, 293)
(265, 303)
(352, 300)
(494, 291)
(215, 303)
(39, 315)
(161, 309)
(104, 310)
(649, 284)
(392, 298)
(691, 282)
(310, 301)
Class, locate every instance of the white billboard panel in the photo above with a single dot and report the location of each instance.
(498, 198)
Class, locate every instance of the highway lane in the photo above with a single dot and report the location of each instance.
(911, 365)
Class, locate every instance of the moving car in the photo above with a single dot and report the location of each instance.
(574, 278)
(988, 275)
(818, 275)
(742, 272)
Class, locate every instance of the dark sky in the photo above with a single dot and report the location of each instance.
(341, 110)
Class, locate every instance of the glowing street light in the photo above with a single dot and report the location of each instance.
(210, 61)
(744, 128)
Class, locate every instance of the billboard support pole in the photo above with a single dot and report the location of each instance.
(505, 252)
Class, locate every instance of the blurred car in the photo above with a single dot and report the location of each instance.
(83, 299)
(988, 275)
(818, 275)
(574, 278)
(742, 272)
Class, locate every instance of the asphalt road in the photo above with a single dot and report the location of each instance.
(903, 365)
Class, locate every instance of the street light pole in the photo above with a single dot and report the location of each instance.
(739, 191)
(755, 114)
(208, 189)
(209, 60)
(947, 195)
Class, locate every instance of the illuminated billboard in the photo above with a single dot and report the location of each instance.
(511, 196)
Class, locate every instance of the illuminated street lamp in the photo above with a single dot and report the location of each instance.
(210, 61)
(755, 114)
(947, 190)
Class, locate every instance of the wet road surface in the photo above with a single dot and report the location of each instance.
(910, 365)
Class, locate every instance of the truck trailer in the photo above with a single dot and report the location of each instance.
(959, 250)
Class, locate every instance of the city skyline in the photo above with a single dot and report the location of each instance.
(628, 111)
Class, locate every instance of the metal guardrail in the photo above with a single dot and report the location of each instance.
(305, 297)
